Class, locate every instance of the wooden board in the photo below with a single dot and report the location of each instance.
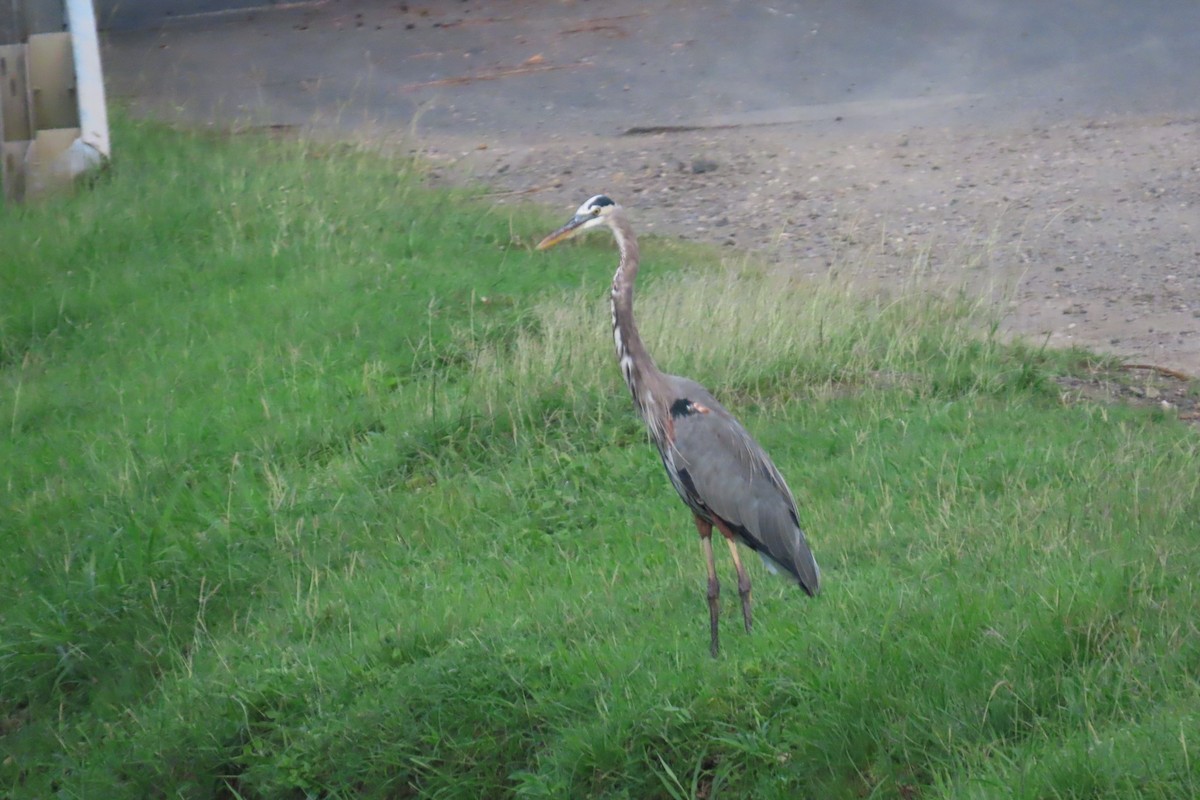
(12, 164)
(15, 124)
(52, 81)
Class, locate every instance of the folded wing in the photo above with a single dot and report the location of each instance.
(731, 476)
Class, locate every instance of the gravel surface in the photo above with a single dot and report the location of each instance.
(1085, 232)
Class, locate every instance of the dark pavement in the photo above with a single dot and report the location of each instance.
(530, 69)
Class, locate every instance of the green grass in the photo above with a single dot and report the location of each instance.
(319, 483)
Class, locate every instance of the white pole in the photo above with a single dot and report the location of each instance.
(89, 83)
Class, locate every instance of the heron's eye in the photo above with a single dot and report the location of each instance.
(596, 211)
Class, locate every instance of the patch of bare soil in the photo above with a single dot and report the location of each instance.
(1142, 385)
(1084, 232)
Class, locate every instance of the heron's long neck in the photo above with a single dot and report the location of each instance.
(646, 383)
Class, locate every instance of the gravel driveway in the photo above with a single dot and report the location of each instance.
(1084, 231)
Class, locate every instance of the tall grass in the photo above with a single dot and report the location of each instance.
(320, 483)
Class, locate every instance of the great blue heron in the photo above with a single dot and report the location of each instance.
(722, 474)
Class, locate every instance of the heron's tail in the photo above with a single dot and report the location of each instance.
(781, 544)
(797, 561)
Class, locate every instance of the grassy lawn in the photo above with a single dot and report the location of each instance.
(320, 483)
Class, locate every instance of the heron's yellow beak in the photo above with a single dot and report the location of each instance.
(563, 233)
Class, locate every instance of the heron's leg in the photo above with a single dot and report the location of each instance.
(714, 586)
(743, 576)
(743, 582)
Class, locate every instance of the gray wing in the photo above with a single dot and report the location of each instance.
(732, 476)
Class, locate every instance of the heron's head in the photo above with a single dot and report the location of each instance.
(595, 212)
